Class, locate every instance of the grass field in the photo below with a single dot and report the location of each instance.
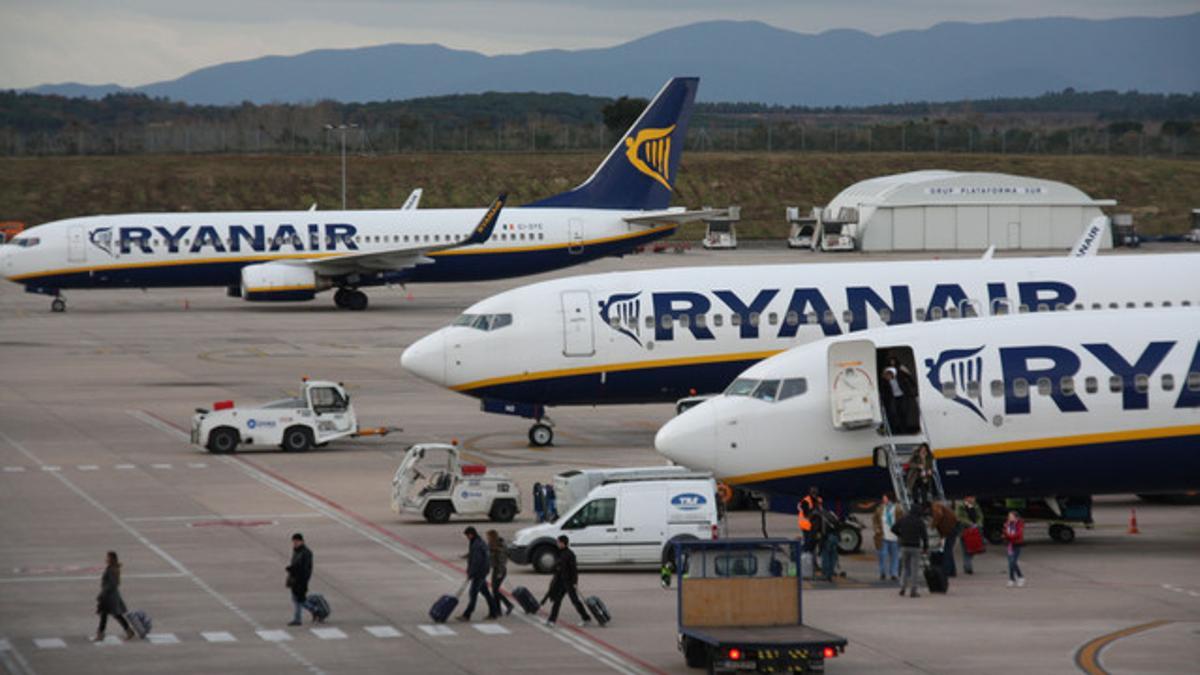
(1159, 192)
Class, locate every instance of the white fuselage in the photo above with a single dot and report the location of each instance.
(1059, 404)
(661, 335)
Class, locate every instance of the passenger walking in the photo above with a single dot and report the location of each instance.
(298, 573)
(827, 528)
(564, 583)
(914, 541)
(539, 502)
(1014, 537)
(920, 474)
(886, 515)
(970, 516)
(498, 556)
(109, 601)
(477, 575)
(948, 528)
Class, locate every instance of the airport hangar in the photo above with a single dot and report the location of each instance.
(950, 210)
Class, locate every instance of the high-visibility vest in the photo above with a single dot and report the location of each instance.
(802, 520)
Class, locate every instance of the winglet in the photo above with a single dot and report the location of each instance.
(413, 200)
(1089, 241)
(991, 251)
(483, 231)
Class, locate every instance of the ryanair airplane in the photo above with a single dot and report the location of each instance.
(1022, 406)
(662, 335)
(293, 255)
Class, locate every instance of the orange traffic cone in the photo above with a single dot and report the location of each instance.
(409, 296)
(1133, 528)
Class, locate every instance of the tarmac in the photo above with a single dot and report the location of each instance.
(95, 405)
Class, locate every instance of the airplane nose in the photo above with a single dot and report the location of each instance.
(691, 438)
(426, 358)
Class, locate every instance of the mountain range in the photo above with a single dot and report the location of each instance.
(737, 61)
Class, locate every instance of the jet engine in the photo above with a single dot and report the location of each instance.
(280, 282)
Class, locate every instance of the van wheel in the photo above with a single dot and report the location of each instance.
(222, 440)
(503, 511)
(695, 653)
(297, 439)
(544, 558)
(437, 512)
(540, 435)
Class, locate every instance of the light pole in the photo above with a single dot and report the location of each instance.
(342, 128)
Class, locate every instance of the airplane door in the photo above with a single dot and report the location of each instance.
(853, 389)
(575, 236)
(577, 324)
(76, 248)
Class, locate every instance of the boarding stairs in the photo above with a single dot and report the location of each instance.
(897, 452)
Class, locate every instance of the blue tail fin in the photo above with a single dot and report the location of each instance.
(639, 173)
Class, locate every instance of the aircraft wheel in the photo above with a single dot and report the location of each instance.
(356, 301)
(339, 297)
(541, 435)
(58, 305)
(1063, 534)
(849, 540)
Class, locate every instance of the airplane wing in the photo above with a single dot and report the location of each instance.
(413, 199)
(396, 258)
(1089, 241)
(677, 216)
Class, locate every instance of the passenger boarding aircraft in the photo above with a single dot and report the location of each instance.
(1063, 404)
(661, 335)
(292, 255)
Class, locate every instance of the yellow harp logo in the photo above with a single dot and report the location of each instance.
(650, 153)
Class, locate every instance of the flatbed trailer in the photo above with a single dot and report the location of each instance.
(740, 609)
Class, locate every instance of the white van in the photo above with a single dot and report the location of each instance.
(572, 486)
(634, 522)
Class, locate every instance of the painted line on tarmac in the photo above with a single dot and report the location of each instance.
(209, 516)
(157, 550)
(581, 641)
(12, 660)
(1088, 657)
(94, 577)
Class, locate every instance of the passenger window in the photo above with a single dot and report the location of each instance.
(1078, 306)
(1186, 303)
(1044, 386)
(741, 387)
(701, 321)
(1141, 383)
(649, 322)
(666, 321)
(754, 319)
(810, 317)
(948, 389)
(792, 318)
(1000, 306)
(1096, 305)
(718, 320)
(1043, 307)
(1131, 305)
(885, 315)
(684, 321)
(973, 388)
(1168, 382)
(1023, 309)
(1166, 303)
(997, 388)
(1020, 387)
(735, 319)
(773, 318)
(952, 312)
(1067, 385)
(828, 317)
(1091, 385)
(791, 387)
(1061, 307)
(766, 390)
(1148, 304)
(920, 314)
(847, 317)
(1113, 305)
(1193, 381)
(935, 313)
(1115, 384)
(595, 512)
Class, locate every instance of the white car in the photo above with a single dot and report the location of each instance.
(321, 414)
(433, 483)
(632, 522)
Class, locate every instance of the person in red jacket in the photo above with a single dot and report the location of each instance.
(1014, 537)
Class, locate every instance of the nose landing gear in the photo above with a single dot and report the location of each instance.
(541, 433)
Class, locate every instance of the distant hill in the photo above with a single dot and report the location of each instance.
(737, 61)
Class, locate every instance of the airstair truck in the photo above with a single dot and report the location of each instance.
(740, 609)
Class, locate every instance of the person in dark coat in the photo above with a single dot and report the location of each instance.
(551, 502)
(539, 502)
(109, 601)
(478, 567)
(914, 540)
(566, 578)
(498, 555)
(298, 573)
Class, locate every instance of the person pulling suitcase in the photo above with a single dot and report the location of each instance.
(565, 583)
(109, 601)
(498, 557)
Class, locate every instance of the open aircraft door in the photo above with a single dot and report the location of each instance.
(578, 339)
(76, 244)
(853, 389)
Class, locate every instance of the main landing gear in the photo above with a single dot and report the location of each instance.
(58, 304)
(350, 298)
(541, 433)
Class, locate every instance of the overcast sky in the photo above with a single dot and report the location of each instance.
(136, 42)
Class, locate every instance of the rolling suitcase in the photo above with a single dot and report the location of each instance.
(319, 606)
(935, 578)
(140, 622)
(444, 606)
(972, 540)
(525, 598)
(598, 609)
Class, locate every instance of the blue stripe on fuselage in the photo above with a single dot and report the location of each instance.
(470, 267)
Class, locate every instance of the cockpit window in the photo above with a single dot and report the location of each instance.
(793, 386)
(484, 322)
(741, 387)
(26, 242)
(766, 390)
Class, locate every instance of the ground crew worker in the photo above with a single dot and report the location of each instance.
(808, 507)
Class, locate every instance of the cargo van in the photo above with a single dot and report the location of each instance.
(572, 486)
(626, 522)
